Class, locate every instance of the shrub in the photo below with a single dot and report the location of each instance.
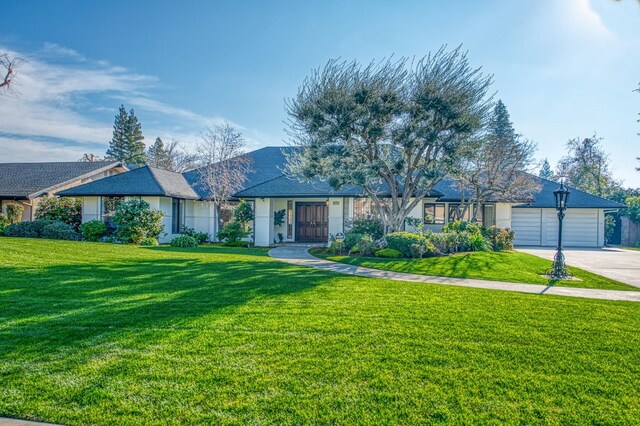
(59, 231)
(14, 213)
(243, 213)
(417, 250)
(232, 232)
(136, 221)
(4, 221)
(93, 230)
(33, 229)
(389, 253)
(337, 247)
(371, 227)
(402, 241)
(462, 225)
(366, 246)
(351, 239)
(237, 244)
(499, 239)
(149, 242)
(184, 241)
(201, 237)
(478, 243)
(67, 210)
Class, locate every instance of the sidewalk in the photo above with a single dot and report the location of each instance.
(300, 256)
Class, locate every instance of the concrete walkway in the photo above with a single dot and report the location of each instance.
(5, 421)
(300, 256)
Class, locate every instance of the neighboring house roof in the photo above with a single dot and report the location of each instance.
(145, 180)
(31, 180)
(544, 198)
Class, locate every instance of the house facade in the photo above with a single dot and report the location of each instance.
(26, 183)
(313, 211)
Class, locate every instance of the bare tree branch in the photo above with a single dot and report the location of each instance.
(8, 70)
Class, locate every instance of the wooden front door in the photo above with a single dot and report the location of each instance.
(312, 222)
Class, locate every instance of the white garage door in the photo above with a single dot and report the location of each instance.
(526, 225)
(580, 228)
(539, 227)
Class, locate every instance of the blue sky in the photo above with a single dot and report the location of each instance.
(564, 68)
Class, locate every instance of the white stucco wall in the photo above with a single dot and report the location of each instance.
(503, 215)
(90, 209)
(263, 222)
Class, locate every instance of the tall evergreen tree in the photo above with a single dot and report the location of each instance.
(157, 154)
(126, 144)
(545, 170)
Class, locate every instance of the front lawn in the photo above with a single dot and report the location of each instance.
(108, 334)
(494, 266)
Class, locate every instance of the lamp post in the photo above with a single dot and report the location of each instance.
(559, 270)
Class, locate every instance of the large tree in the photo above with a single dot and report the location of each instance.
(127, 144)
(223, 165)
(169, 156)
(392, 127)
(586, 166)
(495, 166)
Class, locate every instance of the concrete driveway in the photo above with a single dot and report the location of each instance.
(617, 264)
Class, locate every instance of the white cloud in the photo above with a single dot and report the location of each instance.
(61, 95)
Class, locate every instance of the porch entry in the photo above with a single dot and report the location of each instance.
(312, 222)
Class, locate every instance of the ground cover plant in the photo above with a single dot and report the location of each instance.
(121, 334)
(494, 266)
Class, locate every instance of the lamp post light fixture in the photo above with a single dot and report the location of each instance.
(559, 270)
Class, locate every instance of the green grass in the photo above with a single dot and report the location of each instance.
(494, 266)
(107, 334)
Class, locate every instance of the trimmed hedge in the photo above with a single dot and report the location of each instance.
(93, 230)
(33, 229)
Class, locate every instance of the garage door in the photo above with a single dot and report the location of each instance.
(580, 228)
(539, 227)
(526, 225)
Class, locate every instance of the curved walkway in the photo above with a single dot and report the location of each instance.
(300, 256)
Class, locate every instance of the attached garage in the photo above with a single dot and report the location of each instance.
(582, 227)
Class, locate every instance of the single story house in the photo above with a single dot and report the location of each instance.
(314, 211)
(27, 183)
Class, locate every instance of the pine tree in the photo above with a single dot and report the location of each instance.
(158, 156)
(545, 170)
(126, 144)
(136, 153)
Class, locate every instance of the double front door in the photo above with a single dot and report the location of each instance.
(312, 222)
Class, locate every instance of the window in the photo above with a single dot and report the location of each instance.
(289, 219)
(455, 213)
(433, 213)
(489, 218)
(109, 205)
(365, 208)
(177, 215)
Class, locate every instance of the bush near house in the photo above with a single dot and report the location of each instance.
(200, 237)
(60, 231)
(14, 213)
(4, 221)
(458, 236)
(184, 241)
(233, 232)
(51, 229)
(93, 230)
(65, 209)
(388, 253)
(135, 221)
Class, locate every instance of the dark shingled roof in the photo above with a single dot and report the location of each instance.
(577, 199)
(142, 181)
(30, 180)
(268, 180)
(265, 164)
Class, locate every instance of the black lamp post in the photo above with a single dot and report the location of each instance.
(559, 270)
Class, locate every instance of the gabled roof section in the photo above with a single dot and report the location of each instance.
(143, 181)
(265, 164)
(31, 180)
(577, 198)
